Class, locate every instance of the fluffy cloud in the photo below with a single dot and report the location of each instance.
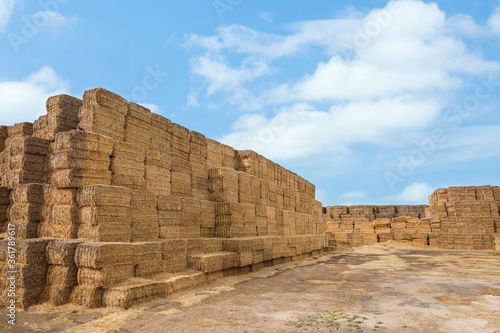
(416, 193)
(354, 195)
(494, 21)
(380, 77)
(25, 100)
(301, 130)
(6, 7)
(51, 19)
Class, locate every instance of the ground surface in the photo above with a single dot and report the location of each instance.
(369, 289)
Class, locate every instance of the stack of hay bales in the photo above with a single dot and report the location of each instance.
(208, 217)
(81, 159)
(180, 171)
(25, 211)
(101, 265)
(25, 158)
(62, 271)
(174, 255)
(138, 125)
(104, 213)
(4, 205)
(62, 116)
(467, 217)
(191, 218)
(60, 213)
(223, 185)
(198, 152)
(143, 215)
(214, 154)
(157, 172)
(148, 258)
(169, 216)
(128, 165)
(103, 112)
(30, 272)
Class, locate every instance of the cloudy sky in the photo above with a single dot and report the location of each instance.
(372, 101)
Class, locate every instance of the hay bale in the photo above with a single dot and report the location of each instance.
(25, 297)
(57, 294)
(144, 251)
(20, 129)
(62, 252)
(32, 251)
(98, 255)
(106, 232)
(103, 113)
(105, 277)
(134, 291)
(100, 195)
(87, 296)
(148, 268)
(65, 276)
(161, 134)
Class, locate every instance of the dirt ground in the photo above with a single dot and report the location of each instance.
(368, 289)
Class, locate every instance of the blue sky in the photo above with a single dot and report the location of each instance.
(374, 102)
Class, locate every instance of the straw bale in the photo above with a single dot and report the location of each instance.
(180, 165)
(170, 231)
(207, 263)
(143, 231)
(62, 252)
(28, 145)
(147, 251)
(3, 136)
(20, 129)
(134, 291)
(106, 232)
(26, 297)
(27, 276)
(104, 113)
(169, 203)
(25, 230)
(56, 294)
(62, 275)
(28, 193)
(32, 251)
(161, 134)
(148, 268)
(28, 162)
(78, 159)
(180, 183)
(60, 231)
(158, 159)
(97, 215)
(101, 195)
(89, 297)
(106, 277)
(98, 255)
(77, 141)
(67, 178)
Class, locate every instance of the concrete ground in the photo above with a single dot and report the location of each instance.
(369, 289)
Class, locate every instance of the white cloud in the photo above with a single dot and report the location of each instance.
(301, 130)
(152, 107)
(416, 193)
(380, 77)
(192, 99)
(6, 7)
(354, 195)
(25, 100)
(51, 19)
(220, 76)
(494, 21)
(266, 16)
